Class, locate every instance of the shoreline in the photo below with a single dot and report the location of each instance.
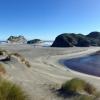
(79, 71)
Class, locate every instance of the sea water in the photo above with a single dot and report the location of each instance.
(88, 64)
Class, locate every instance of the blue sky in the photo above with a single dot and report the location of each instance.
(45, 19)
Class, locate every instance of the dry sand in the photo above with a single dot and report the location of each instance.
(45, 71)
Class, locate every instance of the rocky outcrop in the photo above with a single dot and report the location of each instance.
(34, 41)
(79, 40)
(17, 39)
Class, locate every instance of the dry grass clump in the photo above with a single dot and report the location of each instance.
(2, 69)
(10, 91)
(22, 59)
(16, 54)
(90, 89)
(27, 64)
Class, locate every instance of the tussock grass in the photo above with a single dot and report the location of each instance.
(11, 91)
(78, 86)
(74, 86)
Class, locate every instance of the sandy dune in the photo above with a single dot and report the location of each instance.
(45, 71)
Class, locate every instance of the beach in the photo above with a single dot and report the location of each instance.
(47, 69)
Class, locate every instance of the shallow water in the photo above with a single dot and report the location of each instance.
(89, 64)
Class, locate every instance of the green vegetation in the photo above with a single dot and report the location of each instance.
(11, 91)
(79, 90)
(74, 86)
(77, 85)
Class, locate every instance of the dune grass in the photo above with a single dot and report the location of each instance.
(21, 58)
(79, 90)
(11, 91)
(73, 86)
(16, 54)
(77, 85)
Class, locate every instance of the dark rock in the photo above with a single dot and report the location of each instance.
(34, 41)
(79, 40)
(66, 40)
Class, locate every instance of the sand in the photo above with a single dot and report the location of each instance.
(47, 69)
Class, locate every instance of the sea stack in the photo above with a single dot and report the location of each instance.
(17, 39)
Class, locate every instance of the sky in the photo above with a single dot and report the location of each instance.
(45, 19)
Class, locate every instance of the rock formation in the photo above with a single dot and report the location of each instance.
(34, 41)
(17, 39)
(79, 40)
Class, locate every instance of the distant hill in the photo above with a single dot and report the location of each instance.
(17, 39)
(79, 40)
